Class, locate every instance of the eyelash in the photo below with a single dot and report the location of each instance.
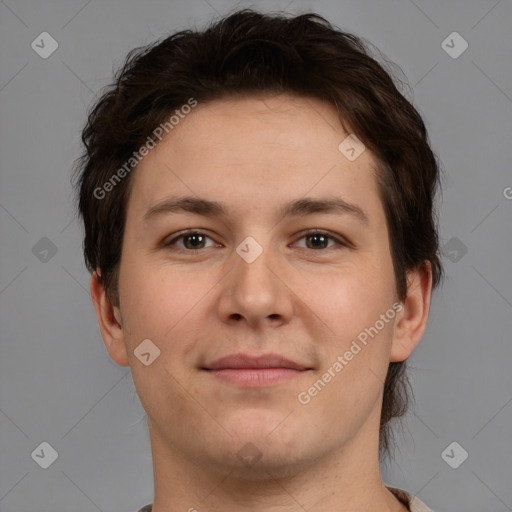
(340, 242)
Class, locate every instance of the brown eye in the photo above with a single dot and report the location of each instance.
(317, 240)
(191, 241)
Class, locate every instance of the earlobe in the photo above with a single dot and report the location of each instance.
(412, 320)
(109, 321)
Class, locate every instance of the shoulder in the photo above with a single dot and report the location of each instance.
(418, 506)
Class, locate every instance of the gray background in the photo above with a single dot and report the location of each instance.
(57, 383)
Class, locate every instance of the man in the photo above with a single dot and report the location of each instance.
(258, 208)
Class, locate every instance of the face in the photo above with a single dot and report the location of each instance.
(270, 270)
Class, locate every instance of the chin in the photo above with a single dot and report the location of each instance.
(261, 452)
(267, 472)
(255, 461)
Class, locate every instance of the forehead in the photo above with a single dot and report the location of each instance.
(254, 152)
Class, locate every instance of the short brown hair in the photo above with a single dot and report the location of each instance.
(248, 53)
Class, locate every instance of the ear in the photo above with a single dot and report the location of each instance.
(412, 320)
(109, 320)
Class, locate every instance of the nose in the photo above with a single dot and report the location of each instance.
(256, 291)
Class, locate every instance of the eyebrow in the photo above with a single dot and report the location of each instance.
(297, 208)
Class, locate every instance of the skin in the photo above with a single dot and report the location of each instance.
(303, 302)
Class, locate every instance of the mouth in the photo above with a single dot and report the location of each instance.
(249, 371)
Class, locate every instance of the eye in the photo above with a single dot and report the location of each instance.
(195, 240)
(316, 240)
(192, 241)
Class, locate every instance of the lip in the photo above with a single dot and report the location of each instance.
(255, 371)
(244, 361)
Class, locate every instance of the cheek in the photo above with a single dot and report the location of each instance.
(150, 303)
(350, 380)
(168, 306)
(350, 299)
(356, 306)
